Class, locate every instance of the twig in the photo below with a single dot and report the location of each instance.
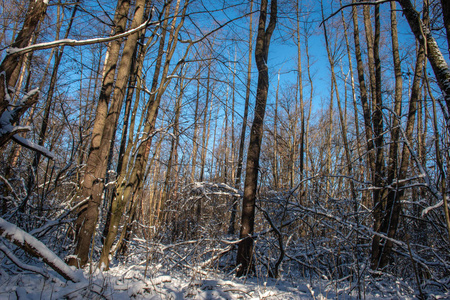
(354, 4)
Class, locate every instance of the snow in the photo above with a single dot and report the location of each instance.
(430, 208)
(10, 116)
(174, 277)
(23, 239)
(29, 144)
(19, 263)
(73, 43)
(121, 283)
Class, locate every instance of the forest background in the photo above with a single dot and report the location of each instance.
(111, 146)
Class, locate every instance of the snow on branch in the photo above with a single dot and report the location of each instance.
(19, 263)
(73, 43)
(36, 248)
(209, 188)
(32, 146)
(43, 229)
(430, 208)
(11, 115)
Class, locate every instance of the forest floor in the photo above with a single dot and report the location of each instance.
(134, 280)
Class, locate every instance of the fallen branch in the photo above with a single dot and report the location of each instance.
(36, 248)
(19, 263)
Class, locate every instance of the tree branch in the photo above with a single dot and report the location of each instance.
(354, 4)
(33, 146)
(19, 263)
(36, 248)
(73, 43)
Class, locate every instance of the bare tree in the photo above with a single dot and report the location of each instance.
(9, 73)
(245, 250)
(424, 36)
(97, 162)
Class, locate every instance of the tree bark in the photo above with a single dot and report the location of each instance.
(238, 176)
(194, 138)
(131, 189)
(302, 106)
(438, 63)
(446, 16)
(97, 162)
(124, 149)
(367, 114)
(377, 119)
(245, 250)
(12, 63)
(206, 125)
(48, 102)
(391, 215)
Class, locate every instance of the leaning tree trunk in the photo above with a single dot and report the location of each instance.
(392, 172)
(134, 185)
(94, 178)
(367, 112)
(43, 130)
(438, 63)
(36, 248)
(245, 250)
(302, 104)
(109, 71)
(446, 15)
(123, 193)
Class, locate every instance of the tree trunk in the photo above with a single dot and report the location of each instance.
(194, 138)
(446, 16)
(302, 106)
(423, 35)
(377, 119)
(124, 149)
(132, 188)
(245, 250)
(36, 248)
(206, 125)
(391, 216)
(275, 171)
(12, 63)
(173, 157)
(97, 163)
(123, 192)
(48, 102)
(237, 182)
(311, 93)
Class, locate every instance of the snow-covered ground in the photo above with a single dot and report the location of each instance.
(164, 282)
